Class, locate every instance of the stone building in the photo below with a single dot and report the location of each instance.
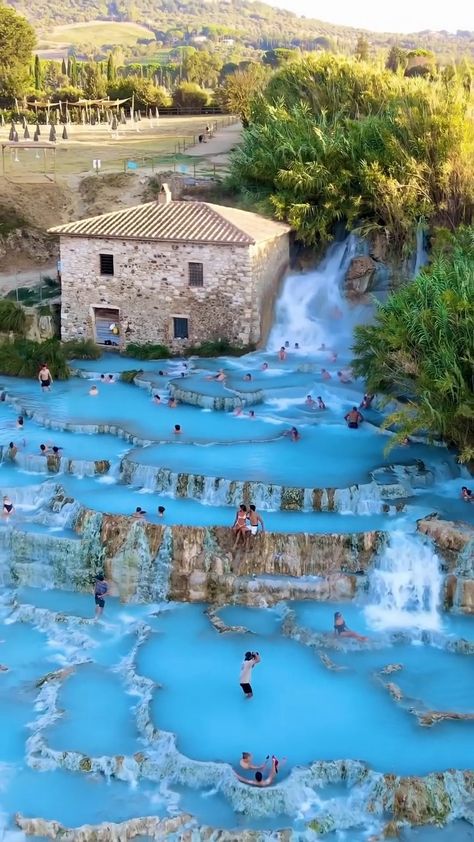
(171, 272)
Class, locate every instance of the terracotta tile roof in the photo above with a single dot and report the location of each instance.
(198, 222)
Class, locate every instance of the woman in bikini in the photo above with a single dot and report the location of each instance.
(342, 630)
(8, 507)
(240, 527)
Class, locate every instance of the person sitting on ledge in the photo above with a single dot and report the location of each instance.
(139, 513)
(8, 507)
(342, 630)
(246, 762)
(353, 418)
(259, 779)
(467, 495)
(239, 527)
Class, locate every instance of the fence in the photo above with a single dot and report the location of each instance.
(34, 294)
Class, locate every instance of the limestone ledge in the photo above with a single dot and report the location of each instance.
(226, 402)
(454, 539)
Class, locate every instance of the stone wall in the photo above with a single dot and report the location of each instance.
(270, 260)
(150, 286)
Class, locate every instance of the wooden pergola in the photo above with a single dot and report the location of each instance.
(32, 144)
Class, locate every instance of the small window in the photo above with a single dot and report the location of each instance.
(180, 328)
(106, 264)
(196, 277)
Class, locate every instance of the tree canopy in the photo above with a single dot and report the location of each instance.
(17, 39)
(333, 138)
(421, 347)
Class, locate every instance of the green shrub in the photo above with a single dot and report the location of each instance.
(218, 348)
(81, 349)
(129, 375)
(12, 317)
(23, 358)
(147, 351)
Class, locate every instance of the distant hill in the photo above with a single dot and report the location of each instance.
(253, 24)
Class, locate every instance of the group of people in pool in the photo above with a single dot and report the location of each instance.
(251, 659)
(140, 514)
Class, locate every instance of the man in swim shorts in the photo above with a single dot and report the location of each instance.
(353, 418)
(45, 378)
(250, 659)
(100, 590)
(254, 520)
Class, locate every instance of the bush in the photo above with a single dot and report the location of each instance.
(190, 95)
(81, 349)
(129, 375)
(147, 351)
(12, 317)
(218, 348)
(23, 358)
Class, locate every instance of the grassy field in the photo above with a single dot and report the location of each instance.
(96, 33)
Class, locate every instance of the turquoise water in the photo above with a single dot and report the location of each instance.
(147, 672)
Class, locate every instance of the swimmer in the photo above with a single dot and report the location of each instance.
(161, 511)
(43, 449)
(177, 429)
(110, 378)
(287, 344)
(322, 347)
(292, 433)
(102, 377)
(247, 377)
(310, 401)
(325, 374)
(259, 779)
(353, 418)
(251, 413)
(366, 401)
(45, 378)
(333, 356)
(139, 513)
(251, 659)
(246, 762)
(172, 403)
(8, 507)
(342, 630)
(157, 400)
(20, 422)
(405, 442)
(93, 391)
(238, 410)
(321, 404)
(282, 353)
(467, 495)
(264, 366)
(12, 451)
(297, 346)
(162, 373)
(344, 377)
(56, 450)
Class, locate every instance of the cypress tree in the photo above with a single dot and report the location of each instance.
(64, 67)
(110, 68)
(37, 73)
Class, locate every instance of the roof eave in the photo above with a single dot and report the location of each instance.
(83, 236)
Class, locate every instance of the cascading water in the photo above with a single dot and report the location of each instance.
(405, 585)
(312, 308)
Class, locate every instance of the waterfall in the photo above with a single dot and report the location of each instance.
(312, 307)
(405, 585)
(421, 255)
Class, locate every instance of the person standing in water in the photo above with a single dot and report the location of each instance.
(250, 660)
(353, 418)
(45, 378)
(100, 590)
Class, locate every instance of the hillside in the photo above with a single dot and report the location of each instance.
(253, 24)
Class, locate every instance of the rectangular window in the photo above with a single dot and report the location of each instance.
(195, 274)
(106, 264)
(180, 328)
